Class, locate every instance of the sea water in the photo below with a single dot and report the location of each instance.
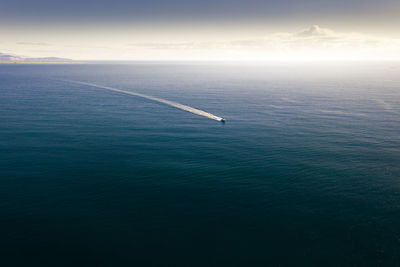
(305, 171)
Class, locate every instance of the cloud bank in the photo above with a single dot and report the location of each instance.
(313, 43)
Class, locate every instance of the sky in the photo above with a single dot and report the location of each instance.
(202, 30)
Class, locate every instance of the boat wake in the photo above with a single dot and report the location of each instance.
(160, 100)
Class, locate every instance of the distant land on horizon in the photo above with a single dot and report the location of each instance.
(8, 58)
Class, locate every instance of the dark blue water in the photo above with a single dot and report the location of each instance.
(305, 172)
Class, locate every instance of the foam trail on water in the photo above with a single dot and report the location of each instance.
(160, 100)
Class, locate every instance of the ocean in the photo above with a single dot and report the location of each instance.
(304, 172)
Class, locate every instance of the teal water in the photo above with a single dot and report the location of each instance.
(305, 172)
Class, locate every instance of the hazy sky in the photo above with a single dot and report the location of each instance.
(208, 29)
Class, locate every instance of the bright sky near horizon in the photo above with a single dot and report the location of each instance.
(202, 30)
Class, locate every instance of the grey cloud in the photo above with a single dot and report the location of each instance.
(315, 30)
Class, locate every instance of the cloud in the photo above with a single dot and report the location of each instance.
(315, 41)
(311, 35)
(316, 30)
(33, 43)
(154, 45)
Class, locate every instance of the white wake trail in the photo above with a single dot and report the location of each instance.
(160, 100)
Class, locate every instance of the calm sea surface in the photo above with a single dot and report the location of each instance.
(305, 171)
